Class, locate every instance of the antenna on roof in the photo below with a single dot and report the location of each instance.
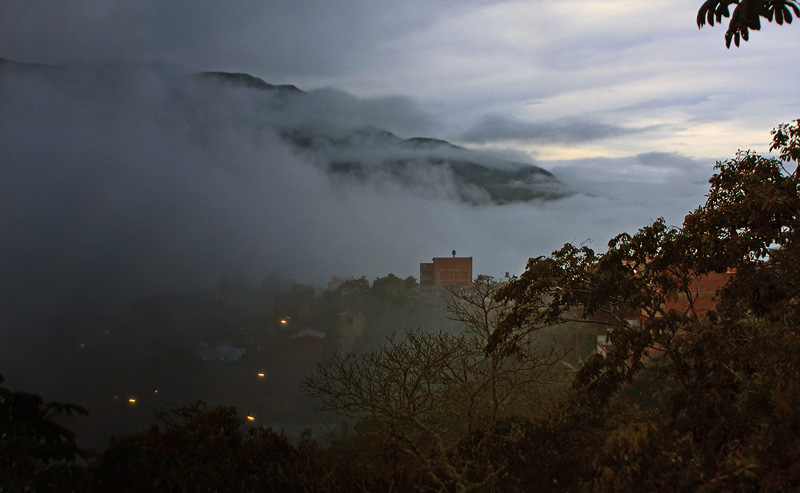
(454, 254)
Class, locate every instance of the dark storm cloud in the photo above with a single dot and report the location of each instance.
(499, 129)
(310, 37)
(143, 31)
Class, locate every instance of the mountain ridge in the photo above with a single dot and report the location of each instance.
(478, 179)
(371, 156)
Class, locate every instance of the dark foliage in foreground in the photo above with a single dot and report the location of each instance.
(746, 15)
(37, 453)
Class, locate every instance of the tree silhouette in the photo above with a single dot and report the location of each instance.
(746, 15)
(36, 452)
(691, 399)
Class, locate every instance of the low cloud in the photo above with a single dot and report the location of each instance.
(122, 183)
(335, 108)
(125, 183)
(501, 129)
(658, 184)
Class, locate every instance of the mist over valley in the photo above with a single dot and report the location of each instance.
(148, 211)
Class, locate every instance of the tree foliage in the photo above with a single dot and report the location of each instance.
(431, 397)
(410, 393)
(389, 294)
(202, 448)
(505, 368)
(746, 15)
(725, 377)
(36, 452)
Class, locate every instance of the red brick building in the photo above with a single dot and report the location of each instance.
(445, 271)
(704, 292)
(704, 299)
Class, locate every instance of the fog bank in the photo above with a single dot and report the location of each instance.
(122, 182)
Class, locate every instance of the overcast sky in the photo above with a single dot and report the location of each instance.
(557, 79)
(626, 101)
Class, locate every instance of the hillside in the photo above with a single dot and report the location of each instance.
(428, 166)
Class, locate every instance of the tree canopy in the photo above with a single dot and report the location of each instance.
(430, 397)
(725, 375)
(746, 15)
(36, 452)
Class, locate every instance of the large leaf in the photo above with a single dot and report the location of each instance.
(746, 15)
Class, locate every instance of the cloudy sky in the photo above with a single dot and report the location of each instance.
(625, 101)
(557, 80)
